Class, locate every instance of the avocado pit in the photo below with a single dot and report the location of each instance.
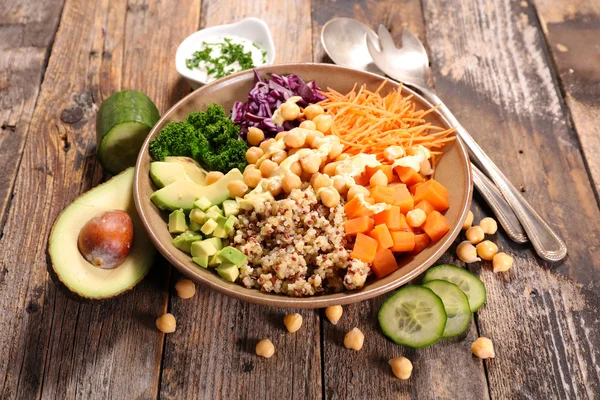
(105, 240)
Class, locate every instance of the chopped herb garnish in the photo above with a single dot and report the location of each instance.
(229, 54)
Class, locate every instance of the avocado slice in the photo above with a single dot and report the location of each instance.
(193, 170)
(202, 203)
(184, 241)
(231, 207)
(201, 260)
(194, 226)
(164, 174)
(232, 255)
(74, 271)
(197, 215)
(177, 222)
(214, 261)
(203, 247)
(228, 271)
(183, 193)
(209, 226)
(215, 241)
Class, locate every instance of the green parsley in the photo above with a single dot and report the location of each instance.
(220, 66)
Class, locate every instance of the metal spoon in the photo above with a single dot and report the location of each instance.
(397, 63)
(344, 42)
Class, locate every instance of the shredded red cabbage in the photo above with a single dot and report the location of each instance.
(266, 96)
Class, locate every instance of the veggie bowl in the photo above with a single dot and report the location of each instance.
(452, 175)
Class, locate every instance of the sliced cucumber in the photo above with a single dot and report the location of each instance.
(466, 281)
(456, 305)
(123, 122)
(414, 317)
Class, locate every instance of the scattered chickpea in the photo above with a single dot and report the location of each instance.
(255, 136)
(274, 187)
(392, 153)
(336, 151)
(212, 177)
(354, 339)
(329, 197)
(291, 152)
(264, 146)
(290, 182)
(305, 176)
(416, 217)
(475, 234)
(342, 157)
(253, 154)
(278, 157)
(292, 322)
(237, 189)
(310, 162)
(379, 178)
(467, 252)
(252, 176)
(312, 136)
(323, 122)
(308, 125)
(487, 250)
(334, 313)
(329, 169)
(483, 348)
(295, 138)
(502, 262)
(289, 111)
(401, 367)
(296, 168)
(339, 183)
(265, 348)
(185, 288)
(468, 221)
(312, 110)
(166, 323)
(489, 225)
(425, 167)
(357, 189)
(267, 167)
(280, 135)
(319, 181)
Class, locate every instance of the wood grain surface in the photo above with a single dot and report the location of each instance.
(521, 76)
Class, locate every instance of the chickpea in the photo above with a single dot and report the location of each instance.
(416, 217)
(237, 189)
(342, 157)
(334, 313)
(305, 176)
(253, 154)
(274, 187)
(379, 178)
(212, 177)
(323, 122)
(296, 168)
(329, 169)
(467, 252)
(312, 136)
(329, 197)
(295, 139)
(280, 135)
(255, 136)
(401, 367)
(502, 262)
(292, 322)
(267, 167)
(392, 153)
(265, 348)
(475, 234)
(354, 339)
(278, 157)
(425, 167)
(487, 250)
(320, 181)
(266, 144)
(489, 225)
(483, 348)
(252, 177)
(185, 288)
(166, 323)
(290, 182)
(312, 110)
(291, 152)
(289, 111)
(308, 125)
(310, 162)
(339, 183)
(336, 151)
(468, 221)
(357, 189)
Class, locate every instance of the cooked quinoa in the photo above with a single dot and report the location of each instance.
(297, 246)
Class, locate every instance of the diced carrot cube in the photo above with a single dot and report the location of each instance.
(404, 227)
(403, 199)
(388, 171)
(356, 208)
(413, 188)
(434, 192)
(403, 241)
(390, 217)
(421, 242)
(358, 225)
(383, 194)
(365, 248)
(362, 179)
(384, 263)
(425, 206)
(382, 234)
(436, 226)
(408, 175)
(370, 200)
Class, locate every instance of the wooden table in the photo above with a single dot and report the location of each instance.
(523, 77)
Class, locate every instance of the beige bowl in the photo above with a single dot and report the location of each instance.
(452, 171)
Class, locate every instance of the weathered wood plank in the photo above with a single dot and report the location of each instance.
(572, 28)
(212, 354)
(491, 68)
(446, 370)
(53, 346)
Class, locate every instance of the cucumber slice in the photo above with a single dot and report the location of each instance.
(414, 317)
(123, 122)
(456, 305)
(466, 281)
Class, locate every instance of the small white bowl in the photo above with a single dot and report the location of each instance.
(253, 29)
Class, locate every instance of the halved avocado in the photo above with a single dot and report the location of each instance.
(74, 271)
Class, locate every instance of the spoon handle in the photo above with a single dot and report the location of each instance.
(545, 241)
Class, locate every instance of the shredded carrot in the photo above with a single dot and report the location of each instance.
(365, 122)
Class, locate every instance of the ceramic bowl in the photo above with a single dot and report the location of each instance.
(452, 171)
(253, 29)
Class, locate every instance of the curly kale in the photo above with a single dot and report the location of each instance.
(209, 137)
